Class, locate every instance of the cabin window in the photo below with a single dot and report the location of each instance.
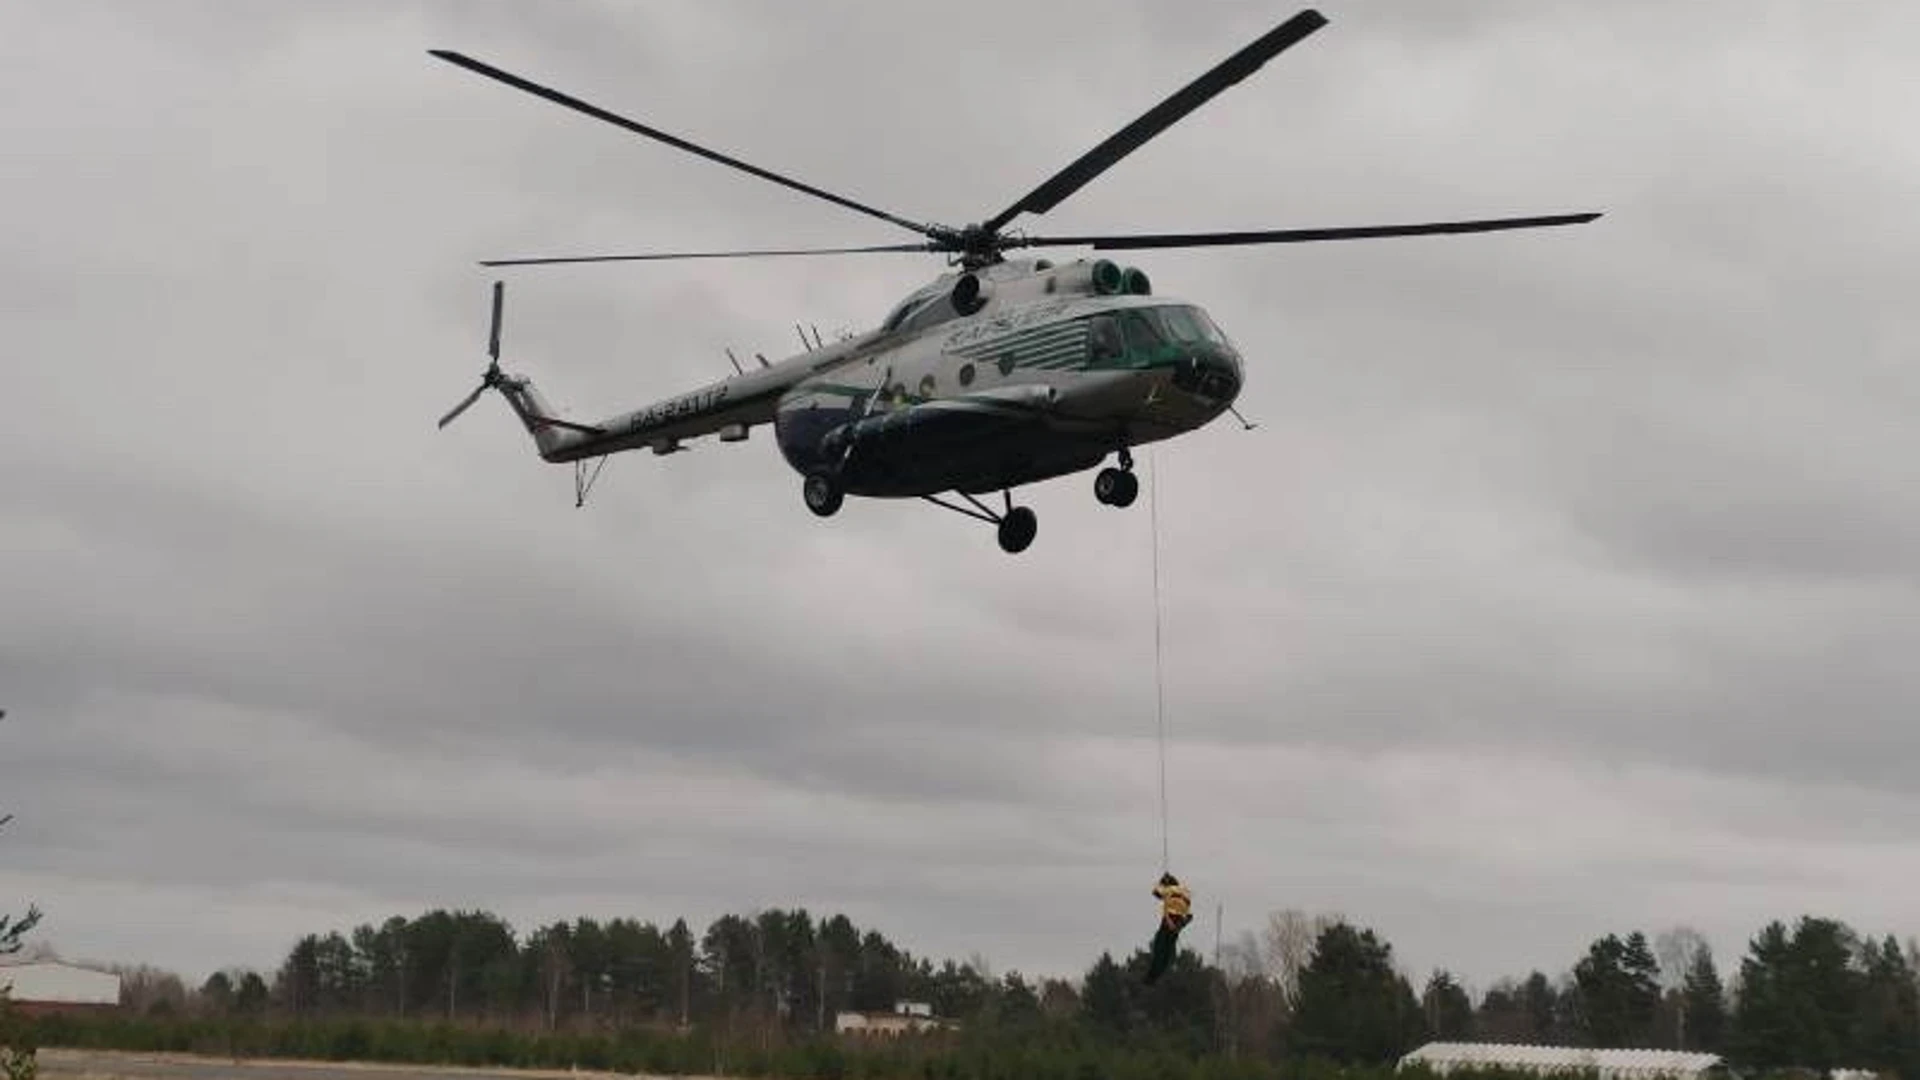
(1103, 338)
(966, 375)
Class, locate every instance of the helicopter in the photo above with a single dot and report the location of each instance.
(999, 373)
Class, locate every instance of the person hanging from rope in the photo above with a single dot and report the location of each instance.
(1176, 911)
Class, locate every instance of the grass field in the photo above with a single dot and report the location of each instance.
(115, 1065)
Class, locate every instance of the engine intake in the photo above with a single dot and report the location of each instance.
(970, 294)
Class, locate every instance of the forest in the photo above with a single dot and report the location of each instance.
(758, 995)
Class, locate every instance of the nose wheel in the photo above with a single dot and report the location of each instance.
(1117, 487)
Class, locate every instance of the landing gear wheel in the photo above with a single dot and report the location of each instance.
(1116, 487)
(822, 494)
(1017, 530)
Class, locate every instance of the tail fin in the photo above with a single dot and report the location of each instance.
(557, 439)
(553, 436)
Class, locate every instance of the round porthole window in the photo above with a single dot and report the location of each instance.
(1006, 363)
(966, 375)
(926, 386)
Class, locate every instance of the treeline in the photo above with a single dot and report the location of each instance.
(759, 994)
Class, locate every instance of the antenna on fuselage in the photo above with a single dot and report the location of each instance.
(804, 343)
(736, 363)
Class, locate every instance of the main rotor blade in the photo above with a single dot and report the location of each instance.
(1295, 236)
(707, 255)
(598, 113)
(1162, 116)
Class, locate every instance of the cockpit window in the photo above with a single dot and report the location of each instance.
(1180, 324)
(1187, 324)
(1208, 327)
(1142, 337)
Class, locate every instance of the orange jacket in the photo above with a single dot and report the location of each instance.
(1176, 903)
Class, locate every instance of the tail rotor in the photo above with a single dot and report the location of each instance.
(491, 378)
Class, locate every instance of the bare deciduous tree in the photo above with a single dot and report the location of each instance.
(1288, 947)
(1674, 949)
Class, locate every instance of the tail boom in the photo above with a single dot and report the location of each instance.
(727, 407)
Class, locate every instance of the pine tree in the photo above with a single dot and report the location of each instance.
(1354, 1007)
(1887, 1035)
(1449, 1012)
(1703, 1000)
(1617, 991)
(1799, 997)
(1104, 1000)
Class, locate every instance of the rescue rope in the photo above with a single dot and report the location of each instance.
(1159, 680)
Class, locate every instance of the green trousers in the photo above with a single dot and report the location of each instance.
(1165, 941)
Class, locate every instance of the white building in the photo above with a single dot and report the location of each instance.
(1444, 1057)
(906, 1016)
(51, 986)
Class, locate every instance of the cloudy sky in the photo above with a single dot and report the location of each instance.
(1568, 584)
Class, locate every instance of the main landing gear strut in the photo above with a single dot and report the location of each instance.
(1016, 527)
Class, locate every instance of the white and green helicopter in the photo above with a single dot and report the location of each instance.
(996, 374)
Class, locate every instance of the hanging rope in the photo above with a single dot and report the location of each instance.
(1159, 681)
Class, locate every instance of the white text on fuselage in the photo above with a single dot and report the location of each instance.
(677, 408)
(1000, 324)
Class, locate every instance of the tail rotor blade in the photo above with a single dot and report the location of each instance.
(493, 336)
(491, 377)
(464, 405)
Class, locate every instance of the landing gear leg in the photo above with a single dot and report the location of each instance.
(1015, 528)
(1117, 487)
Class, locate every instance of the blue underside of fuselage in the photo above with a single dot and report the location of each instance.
(925, 450)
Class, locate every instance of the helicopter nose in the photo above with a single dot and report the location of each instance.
(1212, 374)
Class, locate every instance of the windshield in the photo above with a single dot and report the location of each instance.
(1185, 323)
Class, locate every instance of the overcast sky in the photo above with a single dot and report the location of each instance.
(1567, 586)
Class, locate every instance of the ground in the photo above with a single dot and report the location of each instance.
(112, 1065)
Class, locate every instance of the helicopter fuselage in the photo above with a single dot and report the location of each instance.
(1034, 391)
(1052, 370)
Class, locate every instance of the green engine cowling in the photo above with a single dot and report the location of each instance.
(1111, 279)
